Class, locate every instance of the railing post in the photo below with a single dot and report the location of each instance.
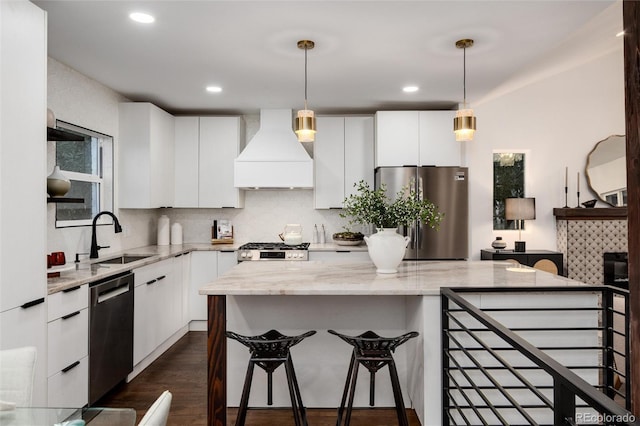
(444, 303)
(607, 342)
(564, 404)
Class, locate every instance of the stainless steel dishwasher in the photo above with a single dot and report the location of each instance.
(110, 333)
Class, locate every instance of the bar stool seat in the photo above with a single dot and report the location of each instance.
(373, 352)
(269, 351)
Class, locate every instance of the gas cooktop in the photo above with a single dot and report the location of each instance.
(273, 251)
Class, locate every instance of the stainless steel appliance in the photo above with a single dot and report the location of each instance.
(273, 251)
(110, 333)
(447, 188)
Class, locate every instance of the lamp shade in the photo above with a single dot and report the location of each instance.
(520, 208)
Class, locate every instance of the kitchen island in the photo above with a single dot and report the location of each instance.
(349, 297)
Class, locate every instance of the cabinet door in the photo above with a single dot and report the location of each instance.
(28, 327)
(186, 152)
(340, 256)
(438, 146)
(227, 259)
(145, 328)
(70, 388)
(358, 152)
(204, 269)
(23, 78)
(219, 146)
(397, 138)
(329, 163)
(145, 160)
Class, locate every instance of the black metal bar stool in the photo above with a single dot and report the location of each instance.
(269, 351)
(373, 352)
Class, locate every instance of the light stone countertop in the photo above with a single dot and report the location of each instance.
(360, 278)
(89, 270)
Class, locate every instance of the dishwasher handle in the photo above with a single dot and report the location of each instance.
(111, 287)
(114, 292)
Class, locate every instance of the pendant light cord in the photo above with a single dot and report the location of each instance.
(305, 77)
(464, 77)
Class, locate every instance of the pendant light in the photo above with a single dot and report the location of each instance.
(306, 120)
(464, 123)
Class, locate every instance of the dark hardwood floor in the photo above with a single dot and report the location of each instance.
(183, 371)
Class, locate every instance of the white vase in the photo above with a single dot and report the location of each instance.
(57, 183)
(386, 249)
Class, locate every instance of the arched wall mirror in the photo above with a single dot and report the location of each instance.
(607, 170)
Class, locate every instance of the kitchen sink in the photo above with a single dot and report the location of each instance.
(127, 258)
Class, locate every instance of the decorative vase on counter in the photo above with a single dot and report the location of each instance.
(386, 249)
(499, 244)
(57, 183)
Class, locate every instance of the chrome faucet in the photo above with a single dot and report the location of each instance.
(94, 243)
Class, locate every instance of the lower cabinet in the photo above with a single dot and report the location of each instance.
(68, 344)
(158, 307)
(206, 266)
(27, 326)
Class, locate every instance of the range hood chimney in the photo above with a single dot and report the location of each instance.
(274, 158)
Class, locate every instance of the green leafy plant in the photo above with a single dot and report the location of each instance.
(373, 206)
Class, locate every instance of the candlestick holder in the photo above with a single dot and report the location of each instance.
(578, 206)
(566, 195)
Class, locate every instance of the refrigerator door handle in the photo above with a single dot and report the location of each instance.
(420, 191)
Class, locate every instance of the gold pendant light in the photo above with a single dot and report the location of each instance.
(464, 123)
(306, 120)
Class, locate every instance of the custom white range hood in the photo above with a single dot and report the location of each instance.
(274, 158)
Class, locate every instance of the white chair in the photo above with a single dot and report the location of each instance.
(17, 370)
(158, 413)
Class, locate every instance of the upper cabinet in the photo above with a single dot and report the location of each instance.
(343, 155)
(145, 156)
(416, 138)
(205, 148)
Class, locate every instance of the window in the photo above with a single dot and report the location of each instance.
(508, 182)
(89, 167)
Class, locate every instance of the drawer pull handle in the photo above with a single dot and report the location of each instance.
(162, 277)
(151, 282)
(69, 290)
(178, 255)
(71, 315)
(70, 367)
(33, 303)
(343, 251)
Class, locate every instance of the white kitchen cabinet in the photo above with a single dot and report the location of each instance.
(182, 269)
(343, 155)
(146, 162)
(397, 135)
(438, 145)
(204, 269)
(186, 154)
(410, 138)
(158, 307)
(227, 259)
(205, 148)
(68, 348)
(206, 266)
(345, 255)
(27, 326)
(23, 172)
(23, 161)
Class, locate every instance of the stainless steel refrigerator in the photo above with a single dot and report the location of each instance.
(447, 188)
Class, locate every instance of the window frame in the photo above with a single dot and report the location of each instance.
(104, 177)
(510, 225)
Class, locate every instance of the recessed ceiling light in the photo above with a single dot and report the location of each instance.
(143, 18)
(410, 89)
(620, 34)
(214, 89)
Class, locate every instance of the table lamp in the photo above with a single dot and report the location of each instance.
(520, 209)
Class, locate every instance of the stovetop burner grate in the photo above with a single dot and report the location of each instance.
(273, 246)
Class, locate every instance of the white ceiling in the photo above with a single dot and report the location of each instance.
(366, 51)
